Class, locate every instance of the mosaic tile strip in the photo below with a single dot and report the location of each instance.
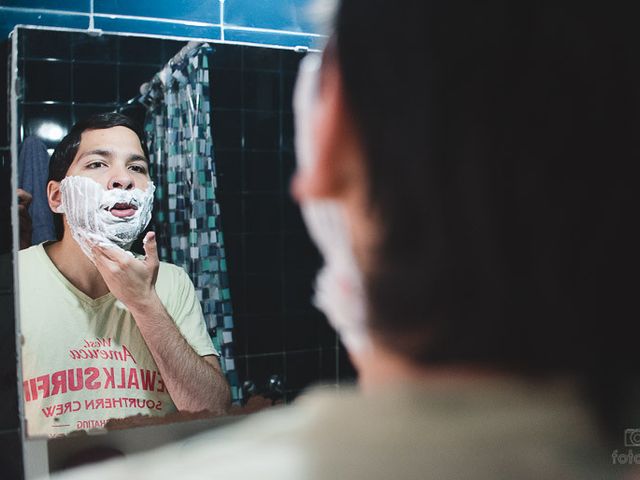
(188, 226)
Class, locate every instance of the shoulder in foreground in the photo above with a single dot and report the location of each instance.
(30, 253)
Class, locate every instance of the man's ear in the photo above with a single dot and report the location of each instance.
(54, 196)
(338, 160)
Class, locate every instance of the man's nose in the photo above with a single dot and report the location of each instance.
(122, 180)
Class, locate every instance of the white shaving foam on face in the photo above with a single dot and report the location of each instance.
(339, 288)
(87, 204)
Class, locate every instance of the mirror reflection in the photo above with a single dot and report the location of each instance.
(123, 335)
(205, 314)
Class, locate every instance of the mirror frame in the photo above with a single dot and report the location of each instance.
(42, 454)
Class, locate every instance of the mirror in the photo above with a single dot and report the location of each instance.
(225, 217)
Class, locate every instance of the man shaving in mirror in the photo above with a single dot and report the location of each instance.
(107, 334)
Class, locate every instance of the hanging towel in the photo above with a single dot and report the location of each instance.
(33, 171)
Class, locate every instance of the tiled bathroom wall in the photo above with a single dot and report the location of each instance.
(274, 22)
(282, 343)
(272, 262)
(66, 76)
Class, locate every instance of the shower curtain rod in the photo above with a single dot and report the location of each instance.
(189, 50)
(184, 53)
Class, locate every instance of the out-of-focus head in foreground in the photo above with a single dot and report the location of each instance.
(481, 156)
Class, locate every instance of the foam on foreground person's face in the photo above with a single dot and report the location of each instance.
(107, 195)
(339, 289)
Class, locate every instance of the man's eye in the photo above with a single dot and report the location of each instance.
(95, 165)
(138, 168)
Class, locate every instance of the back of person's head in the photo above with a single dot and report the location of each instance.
(67, 149)
(499, 140)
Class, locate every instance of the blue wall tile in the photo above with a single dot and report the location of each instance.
(44, 44)
(65, 5)
(271, 38)
(156, 28)
(290, 15)
(285, 15)
(9, 18)
(207, 11)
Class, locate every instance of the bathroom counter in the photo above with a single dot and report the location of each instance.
(137, 434)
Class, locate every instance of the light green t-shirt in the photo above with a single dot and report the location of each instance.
(84, 360)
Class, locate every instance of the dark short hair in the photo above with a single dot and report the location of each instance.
(500, 143)
(67, 149)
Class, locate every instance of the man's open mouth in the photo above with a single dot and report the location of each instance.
(123, 210)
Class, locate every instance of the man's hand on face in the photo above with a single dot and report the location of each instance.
(24, 200)
(132, 281)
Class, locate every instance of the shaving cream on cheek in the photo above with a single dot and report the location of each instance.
(339, 288)
(87, 206)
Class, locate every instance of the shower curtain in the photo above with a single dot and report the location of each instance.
(187, 215)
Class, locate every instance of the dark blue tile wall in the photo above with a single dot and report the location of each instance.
(173, 28)
(63, 5)
(274, 22)
(288, 15)
(42, 44)
(206, 11)
(10, 17)
(271, 260)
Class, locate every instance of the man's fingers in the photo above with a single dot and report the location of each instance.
(106, 265)
(109, 253)
(151, 247)
(98, 254)
(23, 213)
